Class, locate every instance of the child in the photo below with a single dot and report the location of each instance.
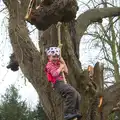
(54, 69)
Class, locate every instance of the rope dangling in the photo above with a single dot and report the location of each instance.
(59, 36)
(29, 9)
(60, 44)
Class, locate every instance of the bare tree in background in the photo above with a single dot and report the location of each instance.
(32, 61)
(106, 38)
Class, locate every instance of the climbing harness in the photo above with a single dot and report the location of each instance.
(60, 44)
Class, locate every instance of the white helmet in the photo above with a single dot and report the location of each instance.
(53, 51)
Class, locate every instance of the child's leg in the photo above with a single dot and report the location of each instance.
(78, 102)
(70, 101)
(70, 95)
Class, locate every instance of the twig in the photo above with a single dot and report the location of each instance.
(3, 9)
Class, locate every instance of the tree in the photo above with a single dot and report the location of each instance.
(32, 61)
(106, 38)
(12, 107)
(39, 113)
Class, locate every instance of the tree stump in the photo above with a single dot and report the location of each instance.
(57, 11)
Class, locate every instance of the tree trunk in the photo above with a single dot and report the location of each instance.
(32, 61)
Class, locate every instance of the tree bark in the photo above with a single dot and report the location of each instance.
(32, 61)
(57, 11)
(91, 16)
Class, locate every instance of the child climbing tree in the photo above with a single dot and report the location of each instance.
(54, 68)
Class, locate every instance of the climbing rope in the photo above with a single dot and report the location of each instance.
(60, 44)
(29, 9)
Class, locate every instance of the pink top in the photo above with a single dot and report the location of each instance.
(52, 72)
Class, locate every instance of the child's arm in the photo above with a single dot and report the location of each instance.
(55, 72)
(60, 69)
(65, 66)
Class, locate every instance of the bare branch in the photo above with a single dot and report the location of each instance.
(3, 9)
(23, 47)
(86, 4)
(94, 15)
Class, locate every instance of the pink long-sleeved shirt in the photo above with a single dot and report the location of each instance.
(52, 72)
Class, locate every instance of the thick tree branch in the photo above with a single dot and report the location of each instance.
(28, 56)
(59, 10)
(91, 16)
(23, 47)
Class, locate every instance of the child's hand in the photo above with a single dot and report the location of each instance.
(60, 69)
(62, 60)
(62, 65)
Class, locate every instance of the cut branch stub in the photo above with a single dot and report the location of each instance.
(59, 10)
(13, 64)
(98, 76)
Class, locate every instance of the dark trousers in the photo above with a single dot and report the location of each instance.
(70, 95)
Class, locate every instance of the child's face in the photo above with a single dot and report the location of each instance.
(53, 58)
